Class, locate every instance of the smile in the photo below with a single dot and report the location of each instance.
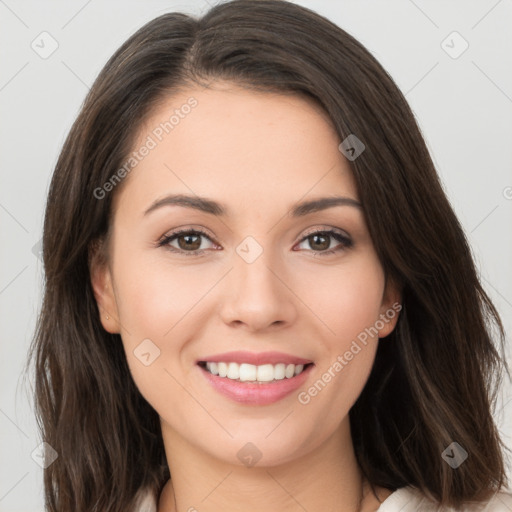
(264, 384)
(246, 372)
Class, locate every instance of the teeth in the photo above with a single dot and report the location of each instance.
(250, 373)
(223, 369)
(247, 372)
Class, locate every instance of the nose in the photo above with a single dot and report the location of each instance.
(257, 294)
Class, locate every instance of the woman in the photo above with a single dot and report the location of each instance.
(258, 296)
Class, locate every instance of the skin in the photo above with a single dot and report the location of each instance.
(259, 154)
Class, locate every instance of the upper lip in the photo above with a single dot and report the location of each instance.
(255, 358)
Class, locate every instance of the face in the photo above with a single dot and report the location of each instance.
(251, 279)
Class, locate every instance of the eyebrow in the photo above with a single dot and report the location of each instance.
(218, 209)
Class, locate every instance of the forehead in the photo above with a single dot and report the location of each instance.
(239, 146)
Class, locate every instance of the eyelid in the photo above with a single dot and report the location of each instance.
(187, 229)
(323, 229)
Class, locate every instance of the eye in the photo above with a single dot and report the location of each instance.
(320, 241)
(189, 241)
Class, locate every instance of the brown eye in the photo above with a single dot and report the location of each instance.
(320, 241)
(188, 242)
(191, 241)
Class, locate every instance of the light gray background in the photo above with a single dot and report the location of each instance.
(463, 106)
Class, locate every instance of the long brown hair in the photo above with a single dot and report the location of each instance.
(435, 378)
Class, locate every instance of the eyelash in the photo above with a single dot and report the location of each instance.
(166, 240)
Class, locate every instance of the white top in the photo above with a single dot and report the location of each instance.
(410, 499)
(405, 499)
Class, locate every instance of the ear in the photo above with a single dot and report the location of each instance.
(101, 281)
(390, 308)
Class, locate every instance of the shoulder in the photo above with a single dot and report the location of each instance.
(411, 499)
(405, 499)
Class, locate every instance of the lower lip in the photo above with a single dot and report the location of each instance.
(256, 394)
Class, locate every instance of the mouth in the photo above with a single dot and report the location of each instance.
(255, 385)
(255, 378)
(253, 374)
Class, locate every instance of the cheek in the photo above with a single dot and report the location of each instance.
(157, 303)
(348, 302)
(156, 309)
(154, 297)
(345, 299)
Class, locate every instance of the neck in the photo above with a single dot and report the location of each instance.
(327, 478)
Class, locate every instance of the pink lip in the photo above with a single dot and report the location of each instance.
(256, 359)
(256, 394)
